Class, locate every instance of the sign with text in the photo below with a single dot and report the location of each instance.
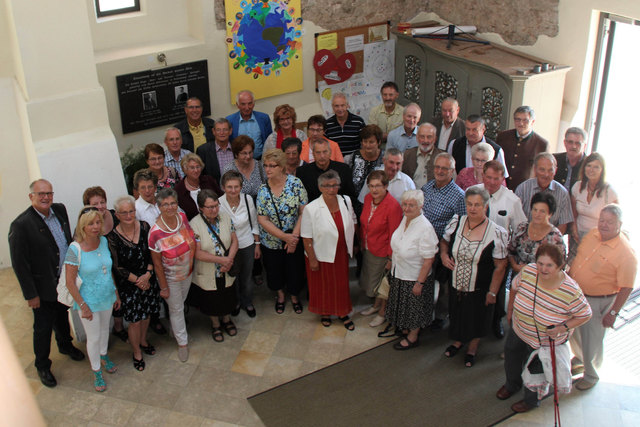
(153, 98)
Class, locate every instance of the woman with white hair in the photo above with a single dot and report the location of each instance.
(414, 244)
(481, 153)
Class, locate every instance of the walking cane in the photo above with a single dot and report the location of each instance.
(556, 403)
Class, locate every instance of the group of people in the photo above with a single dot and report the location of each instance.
(441, 220)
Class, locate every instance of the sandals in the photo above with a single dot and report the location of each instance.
(98, 382)
(139, 365)
(217, 335)
(469, 360)
(388, 332)
(452, 350)
(326, 321)
(230, 328)
(279, 306)
(122, 334)
(148, 349)
(399, 346)
(109, 366)
(348, 323)
(297, 306)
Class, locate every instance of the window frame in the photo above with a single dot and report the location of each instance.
(134, 8)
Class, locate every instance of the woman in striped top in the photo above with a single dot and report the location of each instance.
(544, 303)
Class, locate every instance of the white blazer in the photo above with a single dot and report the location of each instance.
(317, 224)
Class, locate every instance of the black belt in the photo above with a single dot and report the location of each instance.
(601, 296)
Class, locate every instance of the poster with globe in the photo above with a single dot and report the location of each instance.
(264, 40)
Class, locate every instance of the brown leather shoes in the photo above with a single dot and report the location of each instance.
(503, 393)
(521, 407)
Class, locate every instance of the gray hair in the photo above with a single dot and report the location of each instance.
(476, 118)
(166, 132)
(319, 140)
(328, 176)
(449, 157)
(205, 194)
(411, 104)
(165, 193)
(427, 125)
(527, 110)
(485, 148)
(222, 120)
(477, 191)
(416, 195)
(577, 131)
(33, 184)
(339, 95)
(122, 200)
(253, 98)
(614, 209)
(452, 100)
(545, 155)
(392, 151)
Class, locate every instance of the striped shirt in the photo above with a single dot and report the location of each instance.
(347, 136)
(552, 307)
(563, 214)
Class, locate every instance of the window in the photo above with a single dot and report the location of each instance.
(115, 7)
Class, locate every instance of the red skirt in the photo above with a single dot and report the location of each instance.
(329, 286)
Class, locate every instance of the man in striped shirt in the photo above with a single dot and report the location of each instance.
(344, 127)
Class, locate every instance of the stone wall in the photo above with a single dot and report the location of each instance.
(519, 22)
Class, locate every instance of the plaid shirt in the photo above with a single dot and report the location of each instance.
(173, 163)
(440, 204)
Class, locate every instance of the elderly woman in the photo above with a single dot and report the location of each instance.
(214, 293)
(369, 157)
(242, 211)
(193, 183)
(414, 244)
(528, 236)
(481, 153)
(588, 197)
(327, 230)
(381, 215)
(544, 304)
(280, 204)
(251, 170)
(173, 246)
(292, 147)
(133, 273)
(167, 176)
(88, 257)
(285, 120)
(475, 249)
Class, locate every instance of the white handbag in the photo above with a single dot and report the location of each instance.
(63, 293)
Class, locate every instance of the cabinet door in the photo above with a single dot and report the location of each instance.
(445, 79)
(490, 96)
(411, 68)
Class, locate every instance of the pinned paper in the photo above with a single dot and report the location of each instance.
(354, 43)
(328, 41)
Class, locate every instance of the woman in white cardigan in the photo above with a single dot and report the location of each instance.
(327, 230)
(217, 245)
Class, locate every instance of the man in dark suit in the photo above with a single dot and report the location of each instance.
(217, 154)
(448, 125)
(38, 242)
(195, 130)
(460, 148)
(569, 163)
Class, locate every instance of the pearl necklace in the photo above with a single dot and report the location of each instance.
(169, 229)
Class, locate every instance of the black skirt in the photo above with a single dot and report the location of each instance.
(219, 302)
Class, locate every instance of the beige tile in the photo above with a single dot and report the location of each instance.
(309, 367)
(281, 369)
(291, 348)
(300, 328)
(146, 415)
(260, 342)
(250, 363)
(216, 423)
(176, 372)
(323, 353)
(270, 323)
(160, 394)
(334, 334)
(220, 356)
(114, 411)
(209, 405)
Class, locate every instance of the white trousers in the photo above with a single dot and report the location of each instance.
(97, 330)
(178, 292)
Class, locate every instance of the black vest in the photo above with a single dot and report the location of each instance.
(459, 152)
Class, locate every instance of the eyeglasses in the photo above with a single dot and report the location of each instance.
(330, 185)
(444, 168)
(211, 206)
(156, 159)
(194, 167)
(43, 193)
(315, 130)
(374, 186)
(88, 209)
(169, 205)
(194, 107)
(477, 160)
(525, 121)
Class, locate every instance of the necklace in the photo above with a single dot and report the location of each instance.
(474, 227)
(189, 186)
(169, 229)
(124, 234)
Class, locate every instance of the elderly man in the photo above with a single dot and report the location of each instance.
(145, 182)
(398, 182)
(404, 137)
(38, 241)
(217, 154)
(544, 167)
(448, 125)
(387, 115)
(520, 146)
(344, 127)
(605, 268)
(174, 152)
(246, 121)
(310, 172)
(505, 209)
(419, 161)
(460, 148)
(569, 163)
(316, 126)
(195, 130)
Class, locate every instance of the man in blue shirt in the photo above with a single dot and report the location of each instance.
(404, 137)
(254, 124)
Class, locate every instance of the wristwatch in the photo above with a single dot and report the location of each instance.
(613, 313)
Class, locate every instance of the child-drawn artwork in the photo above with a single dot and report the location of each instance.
(379, 59)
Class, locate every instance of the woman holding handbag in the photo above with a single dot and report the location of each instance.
(214, 292)
(89, 258)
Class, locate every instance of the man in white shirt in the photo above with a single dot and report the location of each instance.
(404, 137)
(146, 183)
(399, 182)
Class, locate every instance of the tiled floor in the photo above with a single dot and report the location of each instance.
(212, 387)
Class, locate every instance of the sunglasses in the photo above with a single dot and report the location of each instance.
(88, 209)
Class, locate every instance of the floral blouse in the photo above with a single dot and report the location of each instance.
(250, 185)
(524, 249)
(281, 210)
(170, 180)
(362, 168)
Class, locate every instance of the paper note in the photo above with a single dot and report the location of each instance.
(378, 33)
(328, 41)
(354, 43)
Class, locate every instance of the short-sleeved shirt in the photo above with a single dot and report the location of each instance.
(524, 249)
(505, 209)
(411, 246)
(551, 307)
(347, 136)
(175, 248)
(400, 139)
(387, 122)
(94, 268)
(603, 268)
(441, 204)
(563, 214)
(589, 212)
(282, 211)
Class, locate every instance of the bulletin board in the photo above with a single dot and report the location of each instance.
(346, 53)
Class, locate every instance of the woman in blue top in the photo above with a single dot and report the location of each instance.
(89, 257)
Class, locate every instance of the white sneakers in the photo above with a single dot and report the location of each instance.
(369, 311)
(377, 321)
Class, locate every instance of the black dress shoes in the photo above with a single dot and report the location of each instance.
(73, 353)
(47, 378)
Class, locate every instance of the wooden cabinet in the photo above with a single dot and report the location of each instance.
(490, 80)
